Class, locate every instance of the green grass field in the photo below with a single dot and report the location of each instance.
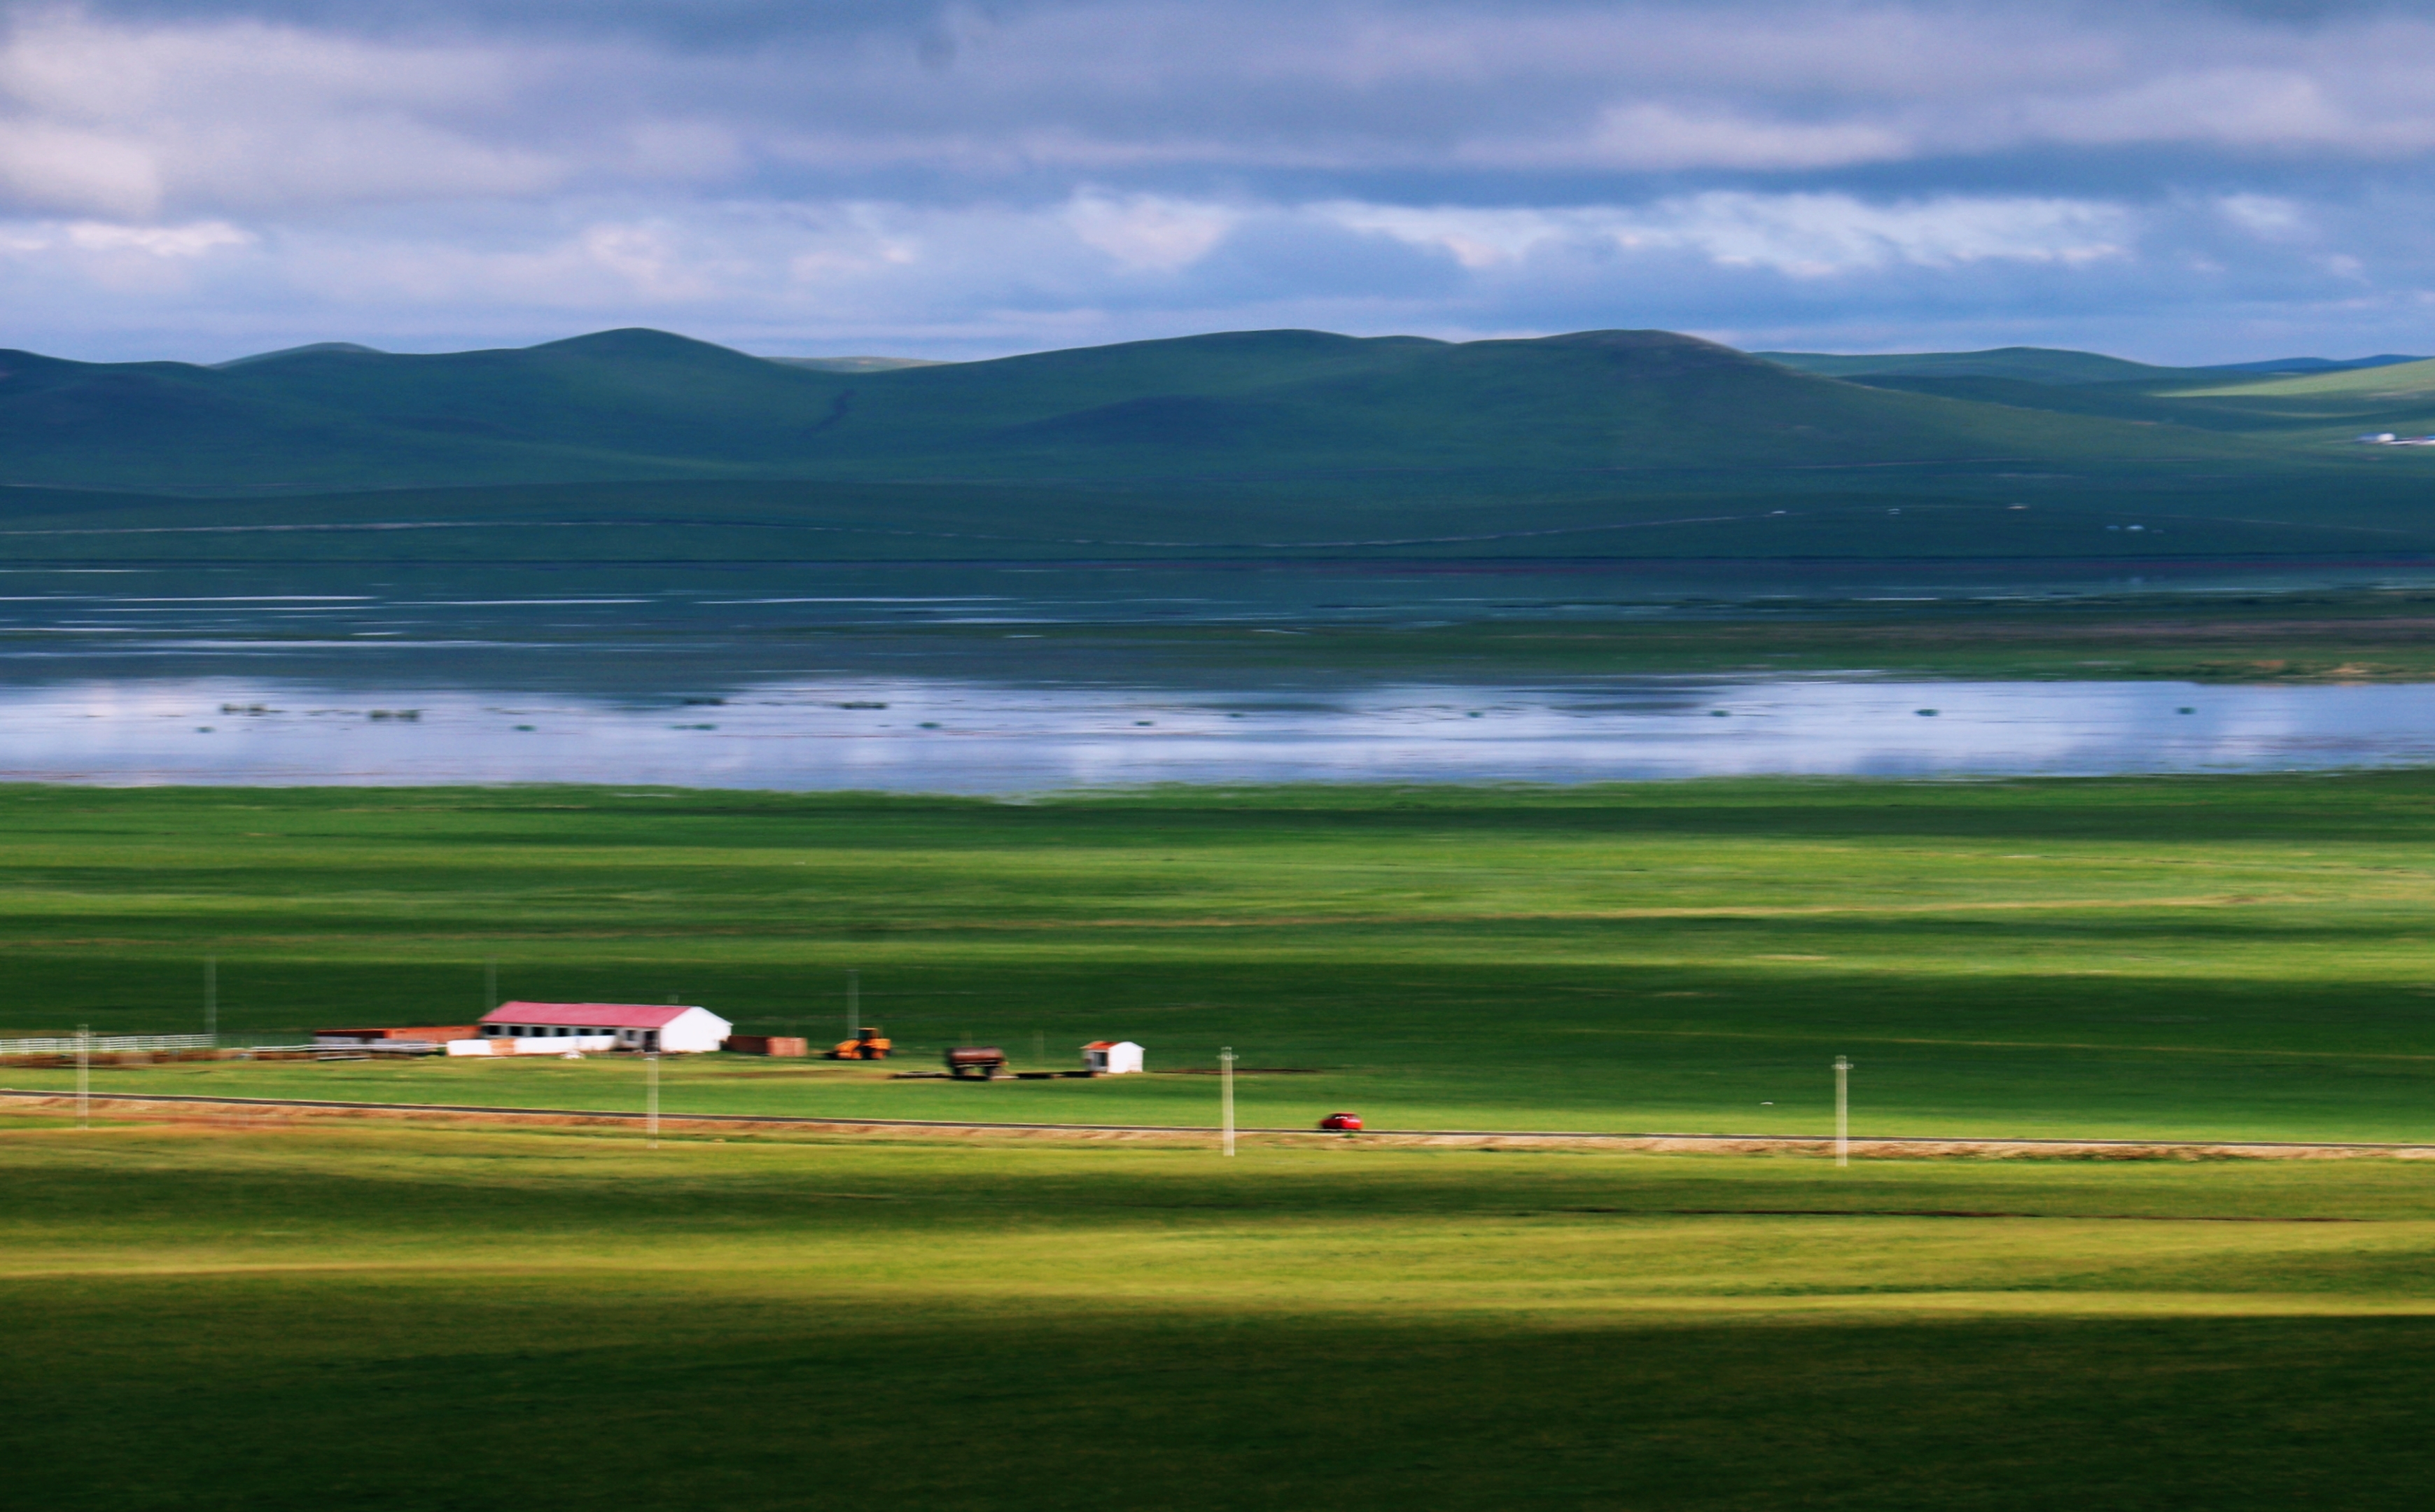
(2192, 957)
(224, 1314)
(207, 1318)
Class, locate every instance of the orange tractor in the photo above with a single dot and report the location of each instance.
(867, 1045)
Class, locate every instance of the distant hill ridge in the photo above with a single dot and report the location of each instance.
(1258, 408)
(296, 352)
(2048, 365)
(2406, 377)
(854, 364)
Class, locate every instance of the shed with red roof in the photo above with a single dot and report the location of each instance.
(631, 1026)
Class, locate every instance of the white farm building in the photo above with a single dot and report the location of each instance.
(1112, 1057)
(610, 1025)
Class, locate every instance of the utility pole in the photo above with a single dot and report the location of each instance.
(84, 1076)
(1843, 1110)
(212, 999)
(489, 984)
(1226, 1098)
(652, 1096)
(853, 1003)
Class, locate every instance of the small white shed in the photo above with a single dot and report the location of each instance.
(1112, 1057)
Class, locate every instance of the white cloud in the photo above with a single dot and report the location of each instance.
(1802, 235)
(2351, 109)
(2269, 215)
(1057, 170)
(1148, 233)
(191, 240)
(219, 114)
(1476, 238)
(1819, 235)
(137, 121)
(849, 242)
(197, 239)
(1805, 270)
(1662, 137)
(46, 163)
(1003, 277)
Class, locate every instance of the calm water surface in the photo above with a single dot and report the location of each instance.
(922, 734)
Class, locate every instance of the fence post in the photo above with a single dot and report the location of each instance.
(1843, 1110)
(1226, 1094)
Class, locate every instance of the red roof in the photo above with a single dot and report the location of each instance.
(588, 1015)
(1100, 1044)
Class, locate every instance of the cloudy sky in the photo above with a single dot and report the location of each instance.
(2180, 181)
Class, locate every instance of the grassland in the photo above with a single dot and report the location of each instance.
(2410, 380)
(207, 1318)
(2191, 958)
(214, 1315)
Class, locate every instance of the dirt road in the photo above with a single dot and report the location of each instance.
(268, 1111)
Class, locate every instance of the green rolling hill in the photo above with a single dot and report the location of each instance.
(2051, 365)
(2304, 407)
(638, 446)
(632, 404)
(2398, 380)
(2037, 365)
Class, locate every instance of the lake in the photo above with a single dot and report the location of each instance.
(980, 736)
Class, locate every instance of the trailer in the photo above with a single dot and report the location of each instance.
(984, 1063)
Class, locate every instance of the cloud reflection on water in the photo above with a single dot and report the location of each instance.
(969, 736)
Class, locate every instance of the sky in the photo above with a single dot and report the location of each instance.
(2174, 180)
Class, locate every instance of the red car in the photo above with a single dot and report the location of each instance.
(1341, 1122)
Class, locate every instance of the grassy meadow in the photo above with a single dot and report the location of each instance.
(213, 1317)
(221, 1313)
(2185, 957)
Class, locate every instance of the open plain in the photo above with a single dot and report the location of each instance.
(472, 1320)
(279, 1311)
(2205, 958)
